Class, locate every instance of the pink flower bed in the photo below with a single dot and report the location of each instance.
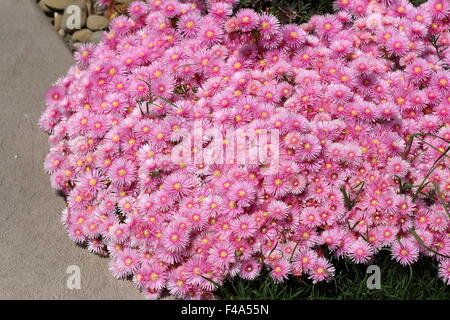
(347, 95)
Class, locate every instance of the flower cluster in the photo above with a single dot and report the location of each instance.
(361, 102)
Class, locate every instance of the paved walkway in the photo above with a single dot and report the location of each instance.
(34, 248)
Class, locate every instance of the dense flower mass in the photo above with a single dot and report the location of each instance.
(360, 101)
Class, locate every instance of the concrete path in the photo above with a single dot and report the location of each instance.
(35, 251)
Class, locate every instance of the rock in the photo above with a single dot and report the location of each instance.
(82, 35)
(75, 46)
(61, 32)
(43, 7)
(58, 19)
(96, 37)
(69, 20)
(96, 23)
(57, 4)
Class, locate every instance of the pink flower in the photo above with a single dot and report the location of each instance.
(280, 270)
(309, 147)
(248, 19)
(360, 251)
(327, 25)
(338, 99)
(221, 254)
(244, 227)
(125, 263)
(268, 25)
(293, 35)
(243, 193)
(122, 172)
(405, 252)
(397, 167)
(250, 269)
(175, 239)
(444, 270)
(321, 270)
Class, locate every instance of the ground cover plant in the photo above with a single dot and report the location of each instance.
(350, 111)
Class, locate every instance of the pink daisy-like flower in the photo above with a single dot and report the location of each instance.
(397, 167)
(444, 270)
(280, 270)
(360, 251)
(278, 209)
(54, 95)
(221, 254)
(84, 54)
(439, 9)
(96, 246)
(122, 172)
(418, 70)
(304, 260)
(243, 193)
(221, 10)
(405, 252)
(397, 45)
(92, 181)
(310, 217)
(76, 233)
(268, 25)
(125, 263)
(438, 221)
(309, 147)
(154, 276)
(210, 34)
(177, 282)
(327, 25)
(293, 35)
(250, 269)
(180, 185)
(339, 93)
(441, 80)
(322, 270)
(248, 19)
(244, 226)
(137, 9)
(189, 25)
(98, 126)
(175, 240)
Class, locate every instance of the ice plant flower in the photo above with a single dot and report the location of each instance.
(153, 135)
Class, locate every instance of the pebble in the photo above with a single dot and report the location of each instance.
(96, 37)
(58, 19)
(82, 35)
(43, 7)
(57, 4)
(93, 20)
(96, 23)
(75, 46)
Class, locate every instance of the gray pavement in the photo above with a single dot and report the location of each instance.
(35, 251)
